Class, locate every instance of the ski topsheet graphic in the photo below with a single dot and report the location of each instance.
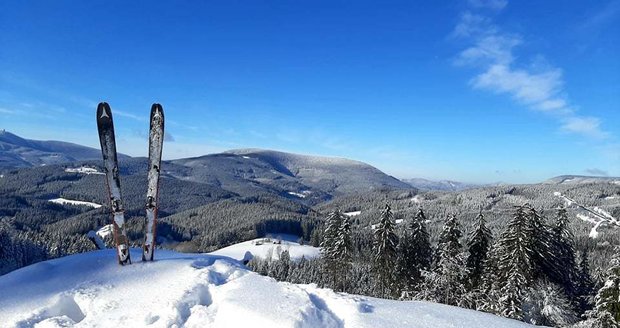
(156, 139)
(105, 125)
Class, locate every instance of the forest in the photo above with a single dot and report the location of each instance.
(531, 270)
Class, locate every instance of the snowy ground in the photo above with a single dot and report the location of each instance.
(63, 201)
(83, 170)
(198, 290)
(267, 249)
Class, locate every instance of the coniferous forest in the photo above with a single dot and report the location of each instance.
(531, 270)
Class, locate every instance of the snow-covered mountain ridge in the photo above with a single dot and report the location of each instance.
(199, 290)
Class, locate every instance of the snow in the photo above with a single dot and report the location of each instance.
(296, 194)
(199, 290)
(83, 170)
(265, 248)
(354, 213)
(105, 231)
(63, 201)
(417, 199)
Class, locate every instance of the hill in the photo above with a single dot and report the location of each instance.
(16, 151)
(198, 290)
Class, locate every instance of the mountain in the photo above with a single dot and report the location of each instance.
(441, 185)
(200, 290)
(19, 152)
(302, 177)
(580, 179)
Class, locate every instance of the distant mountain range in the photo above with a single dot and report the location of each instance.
(16, 151)
(442, 185)
(247, 171)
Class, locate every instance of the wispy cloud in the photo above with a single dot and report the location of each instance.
(589, 126)
(539, 86)
(7, 111)
(491, 4)
(130, 115)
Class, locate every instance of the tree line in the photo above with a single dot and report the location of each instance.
(530, 271)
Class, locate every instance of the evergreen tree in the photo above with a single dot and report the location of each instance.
(546, 304)
(421, 244)
(343, 249)
(414, 253)
(607, 299)
(384, 249)
(585, 285)
(447, 285)
(449, 240)
(329, 251)
(479, 243)
(562, 242)
(407, 273)
(514, 266)
(545, 259)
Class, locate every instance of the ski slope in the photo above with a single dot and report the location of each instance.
(199, 290)
(265, 248)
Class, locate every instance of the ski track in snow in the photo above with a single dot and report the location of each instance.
(199, 290)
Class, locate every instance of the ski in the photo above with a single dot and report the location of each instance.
(156, 139)
(105, 125)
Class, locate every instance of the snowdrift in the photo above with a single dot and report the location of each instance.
(198, 290)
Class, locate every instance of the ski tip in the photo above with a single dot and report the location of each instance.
(157, 108)
(103, 111)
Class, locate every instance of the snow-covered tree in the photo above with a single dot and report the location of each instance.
(336, 248)
(414, 253)
(584, 288)
(448, 284)
(478, 244)
(384, 250)
(514, 264)
(607, 299)
(546, 304)
(545, 260)
(564, 251)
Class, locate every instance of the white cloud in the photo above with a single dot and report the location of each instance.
(491, 4)
(540, 87)
(589, 126)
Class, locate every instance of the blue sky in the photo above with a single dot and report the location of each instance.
(476, 90)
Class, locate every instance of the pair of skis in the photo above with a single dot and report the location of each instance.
(105, 126)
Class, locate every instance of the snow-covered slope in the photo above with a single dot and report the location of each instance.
(269, 248)
(194, 290)
(64, 201)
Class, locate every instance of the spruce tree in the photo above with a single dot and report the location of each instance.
(384, 249)
(343, 249)
(544, 257)
(563, 248)
(447, 285)
(607, 300)
(407, 273)
(478, 244)
(585, 285)
(515, 264)
(421, 244)
(329, 252)
(414, 253)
